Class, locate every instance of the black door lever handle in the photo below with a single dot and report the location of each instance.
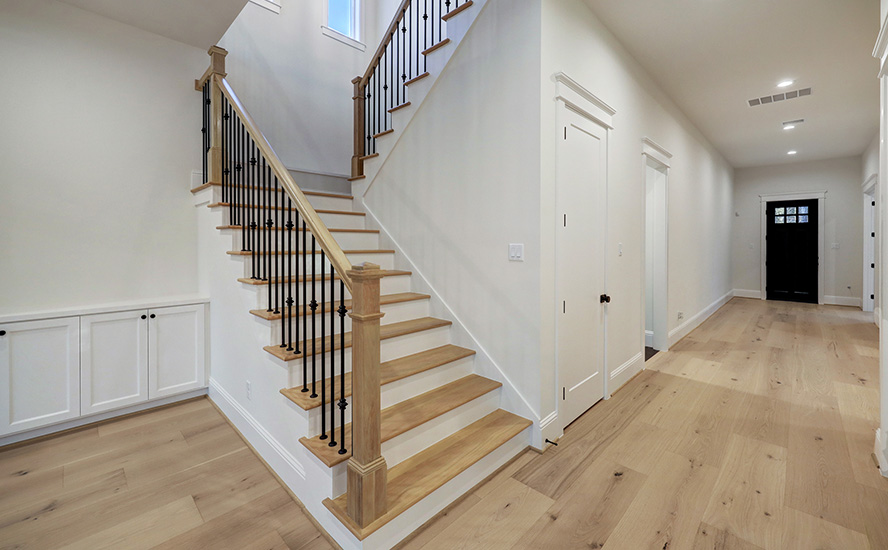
(605, 298)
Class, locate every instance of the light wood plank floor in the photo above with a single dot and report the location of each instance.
(754, 432)
(175, 478)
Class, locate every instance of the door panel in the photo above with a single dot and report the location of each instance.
(580, 267)
(114, 369)
(176, 350)
(792, 256)
(40, 369)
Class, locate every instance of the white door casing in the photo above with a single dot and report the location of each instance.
(869, 244)
(656, 163)
(581, 203)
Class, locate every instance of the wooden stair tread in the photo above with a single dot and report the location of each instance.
(331, 230)
(368, 157)
(440, 44)
(343, 212)
(259, 282)
(420, 475)
(356, 178)
(398, 108)
(392, 330)
(389, 131)
(253, 187)
(412, 80)
(304, 252)
(457, 11)
(406, 415)
(385, 299)
(390, 371)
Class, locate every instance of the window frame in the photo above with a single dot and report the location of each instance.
(356, 26)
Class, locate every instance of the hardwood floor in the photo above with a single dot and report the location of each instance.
(175, 478)
(754, 432)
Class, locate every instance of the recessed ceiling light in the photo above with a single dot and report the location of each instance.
(785, 83)
(791, 152)
(789, 127)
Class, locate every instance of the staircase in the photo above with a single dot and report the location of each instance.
(392, 421)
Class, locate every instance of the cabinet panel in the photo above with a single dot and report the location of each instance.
(40, 373)
(176, 350)
(114, 348)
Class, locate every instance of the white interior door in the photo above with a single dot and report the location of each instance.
(581, 196)
(869, 250)
(656, 262)
(175, 350)
(40, 370)
(114, 360)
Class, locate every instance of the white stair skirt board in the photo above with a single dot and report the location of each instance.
(685, 328)
(741, 293)
(850, 301)
(624, 372)
(83, 421)
(511, 398)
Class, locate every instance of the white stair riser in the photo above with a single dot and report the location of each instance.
(394, 313)
(317, 202)
(413, 441)
(400, 390)
(389, 349)
(346, 241)
(388, 285)
(338, 221)
(385, 260)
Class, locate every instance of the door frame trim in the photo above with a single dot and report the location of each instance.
(655, 153)
(870, 217)
(821, 235)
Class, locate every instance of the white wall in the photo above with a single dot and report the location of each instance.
(700, 198)
(296, 82)
(841, 179)
(100, 135)
(870, 159)
(463, 183)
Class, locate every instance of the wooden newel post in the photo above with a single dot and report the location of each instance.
(367, 471)
(357, 167)
(214, 155)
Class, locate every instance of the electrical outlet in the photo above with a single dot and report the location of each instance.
(249, 390)
(681, 315)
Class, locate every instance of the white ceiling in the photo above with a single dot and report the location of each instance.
(200, 23)
(711, 56)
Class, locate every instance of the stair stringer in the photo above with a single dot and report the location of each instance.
(268, 420)
(511, 399)
(456, 29)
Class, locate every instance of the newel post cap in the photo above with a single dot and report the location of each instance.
(365, 272)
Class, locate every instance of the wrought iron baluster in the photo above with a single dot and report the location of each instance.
(304, 307)
(323, 346)
(289, 261)
(314, 307)
(342, 402)
(332, 357)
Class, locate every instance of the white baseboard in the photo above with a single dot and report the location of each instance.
(277, 456)
(86, 420)
(842, 301)
(881, 452)
(742, 293)
(624, 372)
(877, 317)
(685, 328)
(550, 429)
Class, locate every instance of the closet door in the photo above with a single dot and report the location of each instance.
(114, 360)
(176, 350)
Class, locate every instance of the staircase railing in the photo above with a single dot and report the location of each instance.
(416, 30)
(272, 215)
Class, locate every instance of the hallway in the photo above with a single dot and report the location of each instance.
(755, 431)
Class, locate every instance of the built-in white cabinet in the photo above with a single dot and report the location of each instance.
(176, 350)
(114, 360)
(61, 369)
(40, 370)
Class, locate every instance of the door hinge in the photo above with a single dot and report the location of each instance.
(565, 220)
(563, 393)
(565, 132)
(564, 306)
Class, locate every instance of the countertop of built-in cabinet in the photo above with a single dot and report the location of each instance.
(189, 299)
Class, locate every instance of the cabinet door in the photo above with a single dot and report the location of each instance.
(114, 360)
(40, 370)
(176, 358)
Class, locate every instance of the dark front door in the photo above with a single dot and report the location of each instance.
(792, 251)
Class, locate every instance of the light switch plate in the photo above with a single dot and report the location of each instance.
(516, 252)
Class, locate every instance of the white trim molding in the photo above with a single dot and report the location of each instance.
(624, 372)
(685, 328)
(274, 6)
(881, 47)
(870, 183)
(742, 293)
(850, 301)
(656, 151)
(821, 236)
(881, 452)
(580, 99)
(339, 37)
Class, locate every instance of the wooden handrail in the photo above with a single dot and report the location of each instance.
(386, 38)
(328, 244)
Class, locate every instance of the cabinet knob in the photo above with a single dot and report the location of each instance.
(144, 316)
(2, 333)
(153, 316)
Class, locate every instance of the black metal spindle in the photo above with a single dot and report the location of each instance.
(205, 117)
(285, 304)
(332, 357)
(269, 233)
(229, 161)
(342, 401)
(314, 307)
(278, 235)
(241, 186)
(323, 346)
(304, 307)
(425, 31)
(289, 260)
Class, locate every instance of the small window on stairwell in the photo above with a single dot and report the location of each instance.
(344, 22)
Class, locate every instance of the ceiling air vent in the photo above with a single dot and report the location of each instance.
(764, 100)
